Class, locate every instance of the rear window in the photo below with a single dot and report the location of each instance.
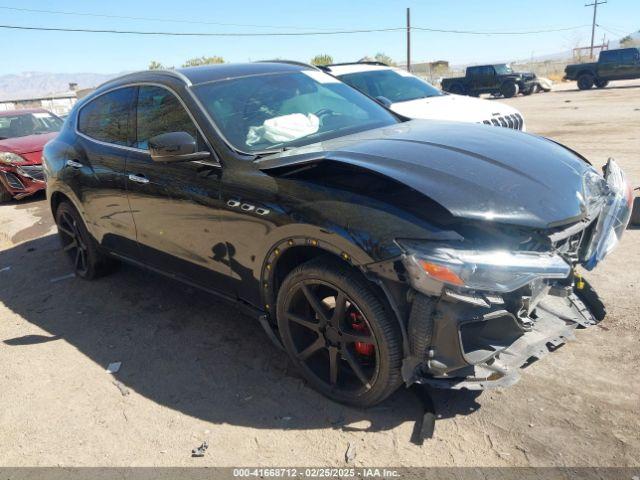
(106, 118)
(610, 56)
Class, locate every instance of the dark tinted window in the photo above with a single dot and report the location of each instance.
(630, 55)
(610, 56)
(159, 111)
(107, 117)
(474, 71)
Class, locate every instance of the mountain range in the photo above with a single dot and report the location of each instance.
(34, 84)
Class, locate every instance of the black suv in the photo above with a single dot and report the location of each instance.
(376, 250)
(621, 64)
(498, 79)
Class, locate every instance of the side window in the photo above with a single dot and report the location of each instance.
(488, 71)
(107, 117)
(629, 56)
(473, 71)
(159, 111)
(609, 57)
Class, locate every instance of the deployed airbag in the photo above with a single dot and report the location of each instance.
(284, 129)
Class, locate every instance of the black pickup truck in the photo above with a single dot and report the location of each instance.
(620, 64)
(498, 79)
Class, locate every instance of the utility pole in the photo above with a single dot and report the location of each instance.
(409, 39)
(593, 26)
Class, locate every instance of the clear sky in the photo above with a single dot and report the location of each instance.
(103, 53)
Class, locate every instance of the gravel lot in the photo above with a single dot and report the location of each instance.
(195, 369)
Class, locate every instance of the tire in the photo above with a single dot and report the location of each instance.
(509, 89)
(457, 89)
(315, 341)
(635, 213)
(420, 328)
(86, 258)
(529, 91)
(602, 83)
(5, 195)
(585, 81)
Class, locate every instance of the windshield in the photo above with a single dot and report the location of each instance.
(24, 124)
(503, 69)
(394, 85)
(270, 112)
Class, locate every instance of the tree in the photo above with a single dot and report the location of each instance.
(194, 62)
(322, 59)
(629, 41)
(383, 58)
(156, 65)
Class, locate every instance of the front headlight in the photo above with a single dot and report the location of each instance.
(614, 217)
(9, 158)
(431, 266)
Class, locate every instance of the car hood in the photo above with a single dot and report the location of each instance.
(28, 144)
(456, 108)
(474, 171)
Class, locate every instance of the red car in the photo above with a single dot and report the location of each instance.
(23, 134)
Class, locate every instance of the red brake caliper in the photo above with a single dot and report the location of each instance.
(357, 323)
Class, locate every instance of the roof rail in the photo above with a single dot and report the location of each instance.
(289, 62)
(382, 64)
(173, 73)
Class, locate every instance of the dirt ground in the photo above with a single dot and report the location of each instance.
(195, 369)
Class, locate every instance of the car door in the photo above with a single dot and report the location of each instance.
(175, 206)
(609, 65)
(97, 171)
(630, 63)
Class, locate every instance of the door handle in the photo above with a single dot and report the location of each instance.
(138, 178)
(74, 164)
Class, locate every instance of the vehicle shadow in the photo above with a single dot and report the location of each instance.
(182, 348)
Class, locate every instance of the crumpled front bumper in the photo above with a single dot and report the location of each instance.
(476, 349)
(22, 180)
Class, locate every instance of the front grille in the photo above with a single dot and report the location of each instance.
(33, 171)
(13, 181)
(513, 121)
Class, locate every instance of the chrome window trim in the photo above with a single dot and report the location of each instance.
(142, 150)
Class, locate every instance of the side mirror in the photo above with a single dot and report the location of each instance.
(384, 101)
(175, 147)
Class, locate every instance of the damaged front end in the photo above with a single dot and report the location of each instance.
(479, 314)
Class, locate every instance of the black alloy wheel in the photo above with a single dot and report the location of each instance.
(87, 261)
(73, 243)
(338, 334)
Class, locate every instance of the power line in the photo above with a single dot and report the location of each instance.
(151, 19)
(279, 34)
(201, 34)
(474, 32)
(612, 31)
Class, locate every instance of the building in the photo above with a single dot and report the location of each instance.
(58, 103)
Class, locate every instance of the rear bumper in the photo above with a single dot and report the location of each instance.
(476, 348)
(22, 181)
